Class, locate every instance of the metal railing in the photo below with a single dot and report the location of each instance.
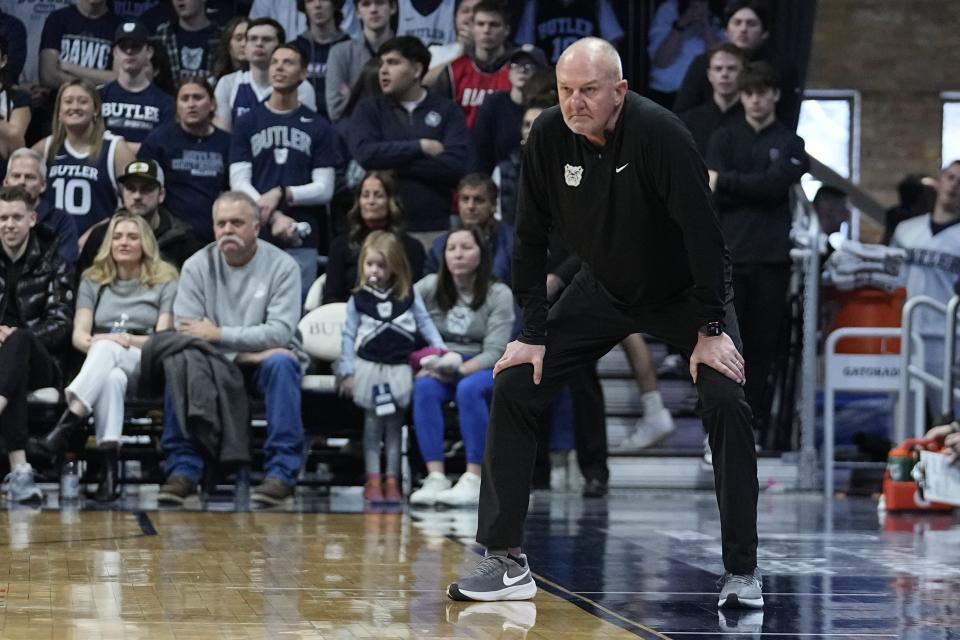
(913, 370)
(806, 256)
(862, 373)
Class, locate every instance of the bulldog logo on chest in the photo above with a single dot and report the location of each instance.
(572, 175)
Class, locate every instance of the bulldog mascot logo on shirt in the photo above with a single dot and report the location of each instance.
(572, 175)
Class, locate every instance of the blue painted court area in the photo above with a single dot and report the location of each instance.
(648, 562)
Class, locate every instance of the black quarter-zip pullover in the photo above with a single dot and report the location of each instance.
(638, 211)
(755, 170)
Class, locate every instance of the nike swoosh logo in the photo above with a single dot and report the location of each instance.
(302, 119)
(509, 582)
(619, 169)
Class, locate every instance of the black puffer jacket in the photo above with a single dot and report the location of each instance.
(45, 294)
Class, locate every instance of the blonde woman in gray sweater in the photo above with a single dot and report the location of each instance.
(475, 317)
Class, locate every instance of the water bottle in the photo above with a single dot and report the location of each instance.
(120, 325)
(70, 481)
(299, 231)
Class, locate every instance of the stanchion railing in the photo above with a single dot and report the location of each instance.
(950, 392)
(806, 256)
(861, 373)
(913, 370)
(916, 371)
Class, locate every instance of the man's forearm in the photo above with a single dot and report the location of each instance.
(255, 338)
(96, 76)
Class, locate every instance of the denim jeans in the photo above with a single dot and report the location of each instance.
(277, 379)
(472, 394)
(306, 258)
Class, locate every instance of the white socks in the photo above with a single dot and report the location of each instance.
(652, 402)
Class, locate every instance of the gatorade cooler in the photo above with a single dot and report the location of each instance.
(900, 491)
(869, 308)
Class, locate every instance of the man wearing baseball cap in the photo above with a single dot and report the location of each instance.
(496, 131)
(133, 105)
(141, 187)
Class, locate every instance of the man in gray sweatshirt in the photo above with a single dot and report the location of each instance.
(243, 295)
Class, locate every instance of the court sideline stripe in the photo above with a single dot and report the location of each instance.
(571, 597)
(781, 634)
(146, 526)
(143, 520)
(579, 600)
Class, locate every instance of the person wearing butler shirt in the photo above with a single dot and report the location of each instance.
(132, 105)
(239, 91)
(283, 155)
(194, 155)
(83, 158)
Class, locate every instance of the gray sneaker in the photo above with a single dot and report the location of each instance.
(741, 590)
(509, 616)
(742, 621)
(496, 578)
(20, 487)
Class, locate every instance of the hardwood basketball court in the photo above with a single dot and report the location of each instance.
(635, 564)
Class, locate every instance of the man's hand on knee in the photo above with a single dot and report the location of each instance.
(518, 353)
(720, 354)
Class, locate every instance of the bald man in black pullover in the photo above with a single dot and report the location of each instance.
(620, 179)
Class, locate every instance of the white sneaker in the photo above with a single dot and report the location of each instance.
(707, 463)
(650, 430)
(565, 471)
(444, 523)
(558, 471)
(463, 494)
(575, 479)
(20, 487)
(427, 494)
(673, 367)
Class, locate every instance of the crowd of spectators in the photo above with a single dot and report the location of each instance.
(251, 152)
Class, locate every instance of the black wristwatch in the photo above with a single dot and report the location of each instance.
(712, 329)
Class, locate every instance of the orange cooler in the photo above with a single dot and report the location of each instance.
(868, 308)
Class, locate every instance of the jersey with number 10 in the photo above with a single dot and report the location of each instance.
(85, 191)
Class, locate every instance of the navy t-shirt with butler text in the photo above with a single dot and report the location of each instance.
(134, 114)
(284, 149)
(195, 171)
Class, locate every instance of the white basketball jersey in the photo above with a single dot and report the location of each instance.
(933, 264)
(435, 28)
